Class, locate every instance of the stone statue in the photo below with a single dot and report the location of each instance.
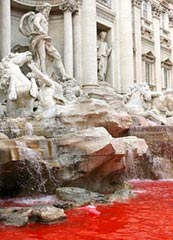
(20, 91)
(71, 90)
(163, 102)
(138, 98)
(138, 101)
(35, 27)
(103, 53)
(50, 92)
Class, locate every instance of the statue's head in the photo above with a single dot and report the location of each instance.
(45, 9)
(20, 58)
(103, 35)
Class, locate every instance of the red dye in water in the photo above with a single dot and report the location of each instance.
(149, 216)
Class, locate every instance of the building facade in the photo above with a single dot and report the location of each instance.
(138, 41)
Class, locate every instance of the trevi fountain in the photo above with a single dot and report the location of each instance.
(73, 161)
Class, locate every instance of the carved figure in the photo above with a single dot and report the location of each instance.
(139, 102)
(20, 91)
(103, 53)
(35, 27)
(50, 93)
(138, 98)
(71, 90)
(163, 102)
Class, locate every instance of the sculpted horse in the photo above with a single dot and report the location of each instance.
(20, 91)
(163, 102)
(139, 102)
(138, 99)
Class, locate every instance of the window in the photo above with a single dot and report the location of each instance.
(148, 68)
(166, 77)
(148, 73)
(166, 74)
(145, 9)
(163, 20)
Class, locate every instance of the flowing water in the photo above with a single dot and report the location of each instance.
(149, 216)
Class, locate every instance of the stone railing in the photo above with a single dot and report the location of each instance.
(106, 3)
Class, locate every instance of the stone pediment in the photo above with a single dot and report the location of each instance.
(148, 56)
(165, 4)
(167, 63)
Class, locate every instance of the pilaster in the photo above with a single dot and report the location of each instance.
(68, 7)
(77, 44)
(156, 13)
(5, 28)
(137, 47)
(126, 45)
(89, 44)
(171, 37)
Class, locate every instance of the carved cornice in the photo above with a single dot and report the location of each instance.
(148, 57)
(165, 42)
(137, 3)
(170, 15)
(165, 4)
(146, 32)
(34, 3)
(68, 5)
(106, 3)
(106, 14)
(167, 63)
(156, 9)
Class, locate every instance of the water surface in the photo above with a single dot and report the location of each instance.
(149, 216)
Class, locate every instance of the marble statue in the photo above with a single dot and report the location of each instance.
(163, 102)
(137, 98)
(138, 101)
(35, 27)
(103, 53)
(71, 90)
(19, 90)
(50, 93)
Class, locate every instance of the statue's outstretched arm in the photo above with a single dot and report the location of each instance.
(41, 77)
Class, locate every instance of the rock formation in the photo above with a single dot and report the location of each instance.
(20, 216)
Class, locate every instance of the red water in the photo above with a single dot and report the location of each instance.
(146, 217)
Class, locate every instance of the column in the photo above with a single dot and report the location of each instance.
(171, 37)
(5, 28)
(137, 40)
(126, 45)
(156, 12)
(68, 8)
(89, 43)
(116, 52)
(77, 44)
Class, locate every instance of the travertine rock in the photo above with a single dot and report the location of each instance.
(94, 113)
(93, 160)
(79, 196)
(88, 158)
(82, 115)
(32, 148)
(158, 162)
(20, 216)
(26, 165)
